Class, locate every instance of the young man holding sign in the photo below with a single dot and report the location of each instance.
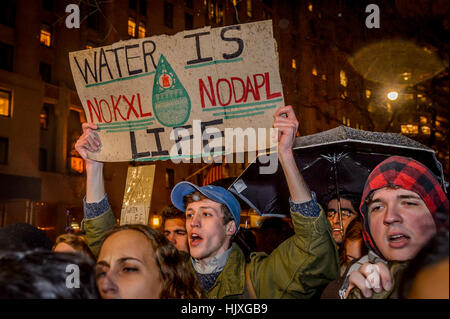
(298, 268)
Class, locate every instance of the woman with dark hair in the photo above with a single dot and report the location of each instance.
(137, 262)
(353, 246)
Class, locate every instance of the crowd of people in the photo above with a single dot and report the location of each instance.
(388, 241)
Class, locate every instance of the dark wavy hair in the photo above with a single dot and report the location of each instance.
(176, 272)
(172, 213)
(42, 274)
(354, 232)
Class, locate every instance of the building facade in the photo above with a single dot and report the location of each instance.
(42, 177)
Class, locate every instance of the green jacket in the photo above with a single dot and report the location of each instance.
(298, 268)
(96, 228)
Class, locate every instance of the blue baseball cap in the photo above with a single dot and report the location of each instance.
(214, 193)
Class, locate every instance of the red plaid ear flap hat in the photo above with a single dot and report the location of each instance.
(409, 174)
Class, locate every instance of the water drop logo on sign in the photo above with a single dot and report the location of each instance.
(171, 103)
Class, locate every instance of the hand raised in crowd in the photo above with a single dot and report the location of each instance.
(287, 125)
(370, 278)
(287, 128)
(88, 141)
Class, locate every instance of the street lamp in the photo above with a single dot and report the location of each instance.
(393, 95)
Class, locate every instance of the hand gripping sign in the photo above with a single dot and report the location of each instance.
(173, 97)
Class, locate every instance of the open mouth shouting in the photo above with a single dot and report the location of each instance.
(398, 240)
(195, 239)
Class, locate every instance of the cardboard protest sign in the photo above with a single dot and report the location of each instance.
(153, 97)
(138, 195)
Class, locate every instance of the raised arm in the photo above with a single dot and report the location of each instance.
(89, 141)
(98, 216)
(305, 263)
(287, 129)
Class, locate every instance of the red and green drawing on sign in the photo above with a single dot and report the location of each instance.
(171, 102)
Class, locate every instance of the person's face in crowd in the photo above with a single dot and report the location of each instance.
(208, 236)
(126, 267)
(353, 249)
(64, 248)
(400, 223)
(348, 214)
(175, 231)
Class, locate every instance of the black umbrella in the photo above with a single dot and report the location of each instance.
(338, 160)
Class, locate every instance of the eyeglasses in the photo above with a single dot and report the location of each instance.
(346, 213)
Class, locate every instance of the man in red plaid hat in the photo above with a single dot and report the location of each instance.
(402, 207)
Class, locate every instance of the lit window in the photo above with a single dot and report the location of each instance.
(426, 130)
(170, 178)
(324, 77)
(423, 120)
(88, 46)
(344, 95)
(368, 94)
(219, 13)
(409, 129)
(427, 50)
(406, 75)
(46, 35)
(310, 7)
(43, 118)
(211, 11)
(294, 64)
(343, 78)
(389, 107)
(344, 119)
(5, 103)
(131, 27)
(348, 121)
(249, 8)
(314, 71)
(77, 164)
(141, 30)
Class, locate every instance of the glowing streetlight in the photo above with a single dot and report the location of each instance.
(393, 95)
(156, 221)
